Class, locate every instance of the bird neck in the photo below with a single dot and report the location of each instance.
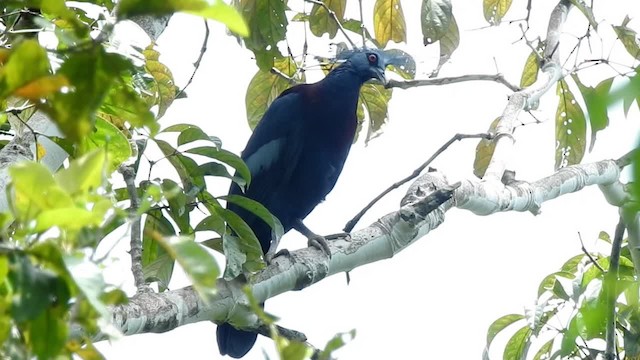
(344, 81)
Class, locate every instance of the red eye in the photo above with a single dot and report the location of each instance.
(373, 58)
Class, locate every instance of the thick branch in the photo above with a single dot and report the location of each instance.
(528, 98)
(149, 312)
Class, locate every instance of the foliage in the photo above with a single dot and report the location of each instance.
(108, 105)
(581, 294)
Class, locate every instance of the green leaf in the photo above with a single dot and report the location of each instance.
(187, 169)
(571, 128)
(266, 87)
(320, 22)
(33, 289)
(218, 11)
(192, 134)
(435, 16)
(34, 185)
(500, 324)
(388, 22)
(225, 157)
(163, 87)
(260, 211)
(338, 341)
(26, 63)
(375, 99)
(518, 345)
(571, 265)
(628, 37)
(91, 74)
(72, 218)
(267, 27)
(89, 279)
(157, 265)
(597, 101)
(108, 137)
(549, 282)
(484, 152)
(48, 333)
(211, 223)
(401, 63)
(530, 71)
(179, 207)
(495, 10)
(449, 42)
(544, 353)
(84, 174)
(124, 104)
(196, 262)
(229, 16)
(242, 251)
(356, 26)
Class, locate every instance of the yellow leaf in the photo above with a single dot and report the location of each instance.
(42, 87)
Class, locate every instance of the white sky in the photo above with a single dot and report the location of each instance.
(436, 299)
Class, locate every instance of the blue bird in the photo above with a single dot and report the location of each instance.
(295, 156)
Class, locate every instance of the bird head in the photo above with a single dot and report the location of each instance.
(368, 63)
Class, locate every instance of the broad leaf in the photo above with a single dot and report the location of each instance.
(375, 99)
(597, 101)
(321, 22)
(495, 10)
(501, 324)
(435, 16)
(518, 345)
(628, 37)
(571, 128)
(449, 42)
(163, 86)
(484, 152)
(388, 22)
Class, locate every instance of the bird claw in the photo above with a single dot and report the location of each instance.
(268, 258)
(320, 243)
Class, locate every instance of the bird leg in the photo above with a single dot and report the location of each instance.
(315, 240)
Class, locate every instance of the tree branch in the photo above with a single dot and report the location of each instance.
(528, 98)
(406, 84)
(610, 284)
(129, 176)
(335, 18)
(394, 232)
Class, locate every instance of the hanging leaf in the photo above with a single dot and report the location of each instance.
(265, 87)
(531, 67)
(597, 101)
(435, 17)
(321, 22)
(484, 152)
(388, 22)
(571, 128)
(495, 10)
(500, 324)
(628, 37)
(163, 87)
(374, 99)
(449, 42)
(518, 345)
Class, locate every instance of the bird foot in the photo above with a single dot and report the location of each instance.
(321, 243)
(268, 258)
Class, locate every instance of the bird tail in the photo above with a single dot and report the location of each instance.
(233, 342)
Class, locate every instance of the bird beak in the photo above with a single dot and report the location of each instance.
(379, 74)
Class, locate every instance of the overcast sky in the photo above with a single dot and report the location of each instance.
(437, 298)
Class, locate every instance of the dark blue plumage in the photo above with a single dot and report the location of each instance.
(295, 156)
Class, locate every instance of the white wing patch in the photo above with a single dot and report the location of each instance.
(263, 158)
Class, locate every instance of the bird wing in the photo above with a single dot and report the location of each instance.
(274, 149)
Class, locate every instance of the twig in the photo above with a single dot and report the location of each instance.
(289, 334)
(196, 64)
(17, 110)
(406, 84)
(610, 281)
(335, 18)
(626, 159)
(593, 261)
(129, 175)
(362, 28)
(352, 223)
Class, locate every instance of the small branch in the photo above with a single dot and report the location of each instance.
(611, 280)
(499, 78)
(129, 175)
(593, 261)
(335, 18)
(362, 28)
(196, 64)
(352, 223)
(626, 159)
(289, 334)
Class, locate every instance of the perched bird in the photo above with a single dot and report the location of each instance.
(295, 156)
